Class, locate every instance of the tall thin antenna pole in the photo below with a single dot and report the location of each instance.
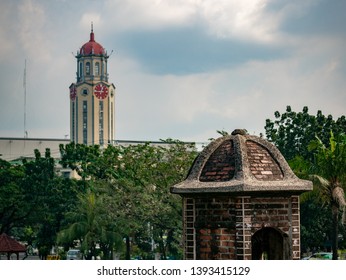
(24, 86)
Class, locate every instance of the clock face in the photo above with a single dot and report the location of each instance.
(101, 91)
(73, 93)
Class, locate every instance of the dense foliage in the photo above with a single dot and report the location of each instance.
(292, 131)
(33, 200)
(129, 187)
(121, 202)
(315, 149)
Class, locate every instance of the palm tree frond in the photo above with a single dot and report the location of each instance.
(321, 181)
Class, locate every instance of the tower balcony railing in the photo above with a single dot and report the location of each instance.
(84, 78)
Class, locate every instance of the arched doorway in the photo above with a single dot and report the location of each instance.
(270, 244)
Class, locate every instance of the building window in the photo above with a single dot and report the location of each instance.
(87, 68)
(85, 91)
(80, 69)
(103, 68)
(73, 123)
(85, 122)
(97, 69)
(101, 135)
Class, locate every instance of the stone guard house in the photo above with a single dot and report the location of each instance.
(241, 202)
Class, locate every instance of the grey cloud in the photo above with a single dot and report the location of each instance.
(185, 51)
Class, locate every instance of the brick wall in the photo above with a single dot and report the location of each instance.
(221, 164)
(222, 227)
(262, 164)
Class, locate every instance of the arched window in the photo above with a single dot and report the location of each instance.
(87, 68)
(80, 69)
(97, 69)
(85, 122)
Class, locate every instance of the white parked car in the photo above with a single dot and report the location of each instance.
(74, 254)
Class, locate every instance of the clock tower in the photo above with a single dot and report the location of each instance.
(92, 97)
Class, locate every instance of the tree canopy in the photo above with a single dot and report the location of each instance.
(122, 203)
(315, 149)
(292, 131)
(329, 170)
(133, 184)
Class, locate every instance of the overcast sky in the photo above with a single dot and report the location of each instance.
(182, 68)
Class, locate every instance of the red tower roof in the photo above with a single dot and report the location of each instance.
(92, 47)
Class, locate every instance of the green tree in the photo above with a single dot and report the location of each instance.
(313, 215)
(136, 181)
(330, 172)
(82, 159)
(315, 222)
(33, 200)
(49, 197)
(14, 208)
(170, 169)
(292, 132)
(141, 180)
(90, 226)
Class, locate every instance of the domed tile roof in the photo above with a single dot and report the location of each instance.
(92, 47)
(239, 163)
